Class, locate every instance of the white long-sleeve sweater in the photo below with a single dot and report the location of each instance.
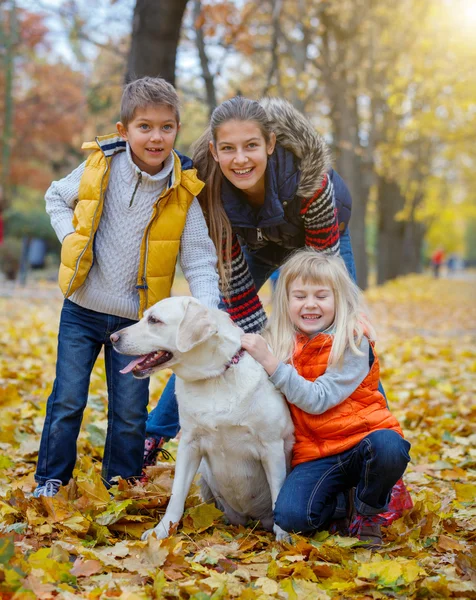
(110, 285)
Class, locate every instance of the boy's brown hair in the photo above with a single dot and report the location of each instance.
(148, 91)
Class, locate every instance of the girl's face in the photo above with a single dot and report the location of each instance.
(311, 306)
(242, 153)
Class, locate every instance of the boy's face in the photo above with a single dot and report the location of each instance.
(151, 135)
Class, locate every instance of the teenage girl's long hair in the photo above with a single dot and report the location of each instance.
(235, 109)
(350, 320)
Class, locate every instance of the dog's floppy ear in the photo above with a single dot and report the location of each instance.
(195, 327)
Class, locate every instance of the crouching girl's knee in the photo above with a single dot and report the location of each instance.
(290, 517)
(390, 449)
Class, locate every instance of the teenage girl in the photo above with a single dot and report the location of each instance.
(270, 189)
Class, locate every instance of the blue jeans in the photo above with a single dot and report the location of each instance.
(308, 499)
(82, 333)
(163, 420)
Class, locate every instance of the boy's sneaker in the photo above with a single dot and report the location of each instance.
(367, 529)
(49, 488)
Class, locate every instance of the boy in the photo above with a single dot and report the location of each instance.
(123, 217)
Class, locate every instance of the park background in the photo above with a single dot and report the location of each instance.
(392, 87)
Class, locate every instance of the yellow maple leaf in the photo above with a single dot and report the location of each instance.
(391, 572)
(465, 492)
(200, 518)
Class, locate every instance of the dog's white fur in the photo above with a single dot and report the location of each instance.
(235, 426)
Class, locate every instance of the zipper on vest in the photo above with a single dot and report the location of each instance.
(139, 181)
(146, 290)
(259, 235)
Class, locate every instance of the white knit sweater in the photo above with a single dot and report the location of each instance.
(110, 285)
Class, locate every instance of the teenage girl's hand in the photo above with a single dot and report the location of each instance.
(257, 346)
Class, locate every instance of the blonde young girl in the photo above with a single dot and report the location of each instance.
(345, 435)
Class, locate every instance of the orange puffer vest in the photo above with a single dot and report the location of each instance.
(345, 425)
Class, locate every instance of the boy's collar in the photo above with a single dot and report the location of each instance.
(167, 167)
(111, 144)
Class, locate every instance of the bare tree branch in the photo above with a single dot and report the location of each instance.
(208, 78)
(274, 67)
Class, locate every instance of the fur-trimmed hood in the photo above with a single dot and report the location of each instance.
(296, 133)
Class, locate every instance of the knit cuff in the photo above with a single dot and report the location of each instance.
(209, 300)
(63, 228)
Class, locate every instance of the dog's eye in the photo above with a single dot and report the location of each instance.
(153, 320)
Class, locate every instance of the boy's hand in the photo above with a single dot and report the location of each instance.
(257, 346)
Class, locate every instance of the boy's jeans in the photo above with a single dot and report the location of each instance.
(82, 333)
(308, 498)
(163, 421)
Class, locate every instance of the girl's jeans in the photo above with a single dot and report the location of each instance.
(163, 421)
(308, 499)
(82, 333)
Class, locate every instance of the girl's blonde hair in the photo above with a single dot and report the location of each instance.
(350, 320)
(235, 109)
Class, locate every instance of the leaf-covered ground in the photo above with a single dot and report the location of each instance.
(86, 544)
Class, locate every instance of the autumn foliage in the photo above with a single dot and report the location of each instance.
(48, 106)
(85, 543)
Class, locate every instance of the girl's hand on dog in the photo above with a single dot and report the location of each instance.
(257, 346)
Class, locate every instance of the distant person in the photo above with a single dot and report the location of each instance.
(437, 259)
(123, 217)
(315, 351)
(453, 264)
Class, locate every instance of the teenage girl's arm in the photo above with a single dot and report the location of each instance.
(313, 397)
(319, 214)
(242, 301)
(198, 258)
(61, 198)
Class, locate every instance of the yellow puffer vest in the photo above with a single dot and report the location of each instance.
(161, 240)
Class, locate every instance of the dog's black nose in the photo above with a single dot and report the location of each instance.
(114, 337)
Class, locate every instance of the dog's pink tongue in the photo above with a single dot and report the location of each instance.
(131, 365)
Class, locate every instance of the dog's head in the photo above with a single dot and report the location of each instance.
(176, 332)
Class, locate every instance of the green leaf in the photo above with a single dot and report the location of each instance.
(7, 549)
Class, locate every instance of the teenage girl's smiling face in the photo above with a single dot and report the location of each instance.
(242, 153)
(151, 135)
(311, 306)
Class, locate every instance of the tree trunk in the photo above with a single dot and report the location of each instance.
(341, 85)
(348, 165)
(155, 37)
(413, 235)
(390, 232)
(10, 34)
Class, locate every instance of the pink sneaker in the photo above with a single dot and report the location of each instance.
(152, 449)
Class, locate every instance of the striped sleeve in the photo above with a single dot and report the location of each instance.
(320, 219)
(242, 301)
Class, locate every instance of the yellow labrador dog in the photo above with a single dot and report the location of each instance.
(235, 426)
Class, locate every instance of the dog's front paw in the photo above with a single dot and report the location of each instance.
(281, 535)
(160, 532)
